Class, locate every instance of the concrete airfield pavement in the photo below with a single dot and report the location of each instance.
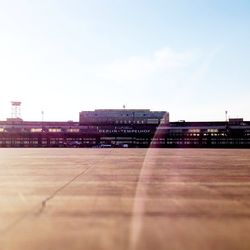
(124, 199)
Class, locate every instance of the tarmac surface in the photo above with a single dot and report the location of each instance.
(105, 199)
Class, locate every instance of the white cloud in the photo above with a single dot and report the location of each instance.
(165, 60)
(205, 64)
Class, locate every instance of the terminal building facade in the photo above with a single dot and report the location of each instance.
(123, 116)
(124, 128)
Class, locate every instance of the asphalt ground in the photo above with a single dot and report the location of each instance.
(106, 199)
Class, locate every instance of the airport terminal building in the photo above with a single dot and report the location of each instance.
(124, 128)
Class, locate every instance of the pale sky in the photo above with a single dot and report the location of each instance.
(188, 57)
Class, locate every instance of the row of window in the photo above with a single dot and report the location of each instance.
(52, 130)
(36, 144)
(124, 131)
